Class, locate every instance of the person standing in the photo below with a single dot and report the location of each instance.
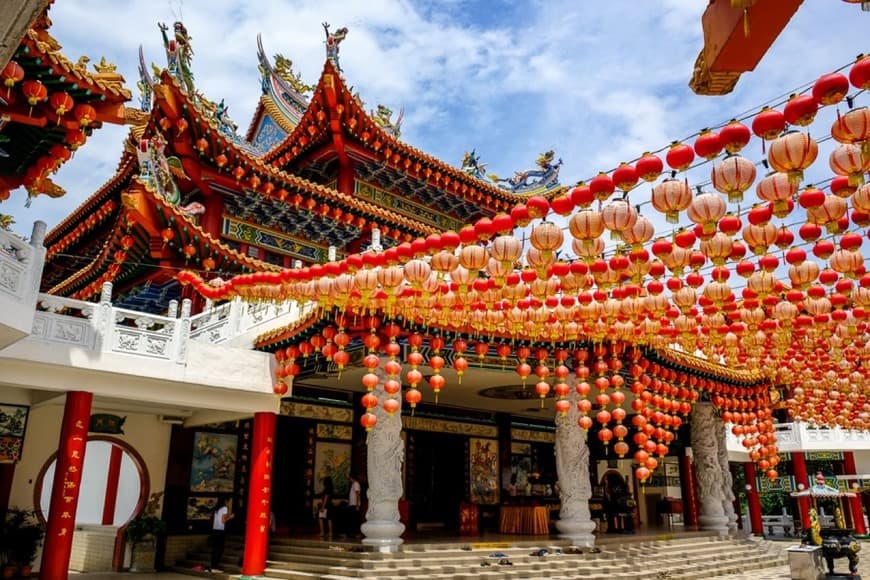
(354, 504)
(325, 511)
(218, 533)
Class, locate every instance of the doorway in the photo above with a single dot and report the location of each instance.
(436, 479)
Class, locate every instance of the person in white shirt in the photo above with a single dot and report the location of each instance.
(218, 533)
(354, 504)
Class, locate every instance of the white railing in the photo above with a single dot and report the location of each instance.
(106, 328)
(21, 263)
(232, 320)
(803, 437)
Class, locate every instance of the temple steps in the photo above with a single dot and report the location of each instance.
(690, 557)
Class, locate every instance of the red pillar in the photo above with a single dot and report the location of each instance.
(752, 496)
(65, 487)
(799, 466)
(690, 498)
(112, 479)
(855, 506)
(259, 495)
(344, 181)
(212, 220)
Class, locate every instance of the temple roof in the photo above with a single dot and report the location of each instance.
(50, 108)
(336, 117)
(213, 160)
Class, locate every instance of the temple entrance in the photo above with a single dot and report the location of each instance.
(436, 479)
(289, 505)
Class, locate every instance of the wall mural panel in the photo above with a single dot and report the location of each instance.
(332, 460)
(484, 471)
(213, 468)
(201, 508)
(13, 424)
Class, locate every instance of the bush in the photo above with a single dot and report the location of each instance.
(147, 524)
(20, 536)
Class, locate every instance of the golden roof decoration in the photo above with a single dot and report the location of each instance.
(105, 76)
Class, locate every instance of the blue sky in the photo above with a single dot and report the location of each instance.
(599, 82)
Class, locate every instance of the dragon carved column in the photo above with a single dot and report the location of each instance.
(572, 468)
(705, 449)
(727, 480)
(385, 454)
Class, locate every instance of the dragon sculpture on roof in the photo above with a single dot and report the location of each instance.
(382, 117)
(333, 40)
(545, 176)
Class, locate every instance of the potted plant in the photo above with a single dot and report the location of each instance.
(20, 536)
(142, 533)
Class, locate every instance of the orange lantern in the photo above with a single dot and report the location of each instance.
(776, 188)
(546, 237)
(706, 210)
(732, 176)
(670, 197)
(618, 216)
(586, 225)
(792, 153)
(849, 161)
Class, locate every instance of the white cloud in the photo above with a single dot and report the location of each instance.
(599, 82)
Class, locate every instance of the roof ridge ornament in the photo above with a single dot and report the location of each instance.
(382, 117)
(284, 69)
(544, 177)
(333, 39)
(179, 53)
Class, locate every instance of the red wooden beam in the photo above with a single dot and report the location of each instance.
(728, 47)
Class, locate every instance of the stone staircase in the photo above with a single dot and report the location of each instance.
(667, 557)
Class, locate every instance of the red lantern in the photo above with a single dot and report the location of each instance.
(734, 136)
(831, 88)
(12, 73)
(648, 167)
(800, 110)
(859, 75)
(680, 156)
(368, 420)
(708, 144)
(85, 114)
(625, 177)
(601, 186)
(61, 102)
(768, 124)
(35, 92)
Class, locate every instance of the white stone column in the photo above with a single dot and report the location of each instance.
(705, 450)
(572, 468)
(727, 480)
(385, 454)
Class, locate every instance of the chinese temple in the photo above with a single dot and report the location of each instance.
(485, 353)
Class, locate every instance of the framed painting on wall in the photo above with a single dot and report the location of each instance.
(332, 460)
(13, 420)
(484, 471)
(13, 424)
(213, 467)
(201, 508)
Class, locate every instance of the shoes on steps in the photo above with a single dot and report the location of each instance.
(505, 562)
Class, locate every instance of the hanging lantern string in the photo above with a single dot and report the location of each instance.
(750, 113)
